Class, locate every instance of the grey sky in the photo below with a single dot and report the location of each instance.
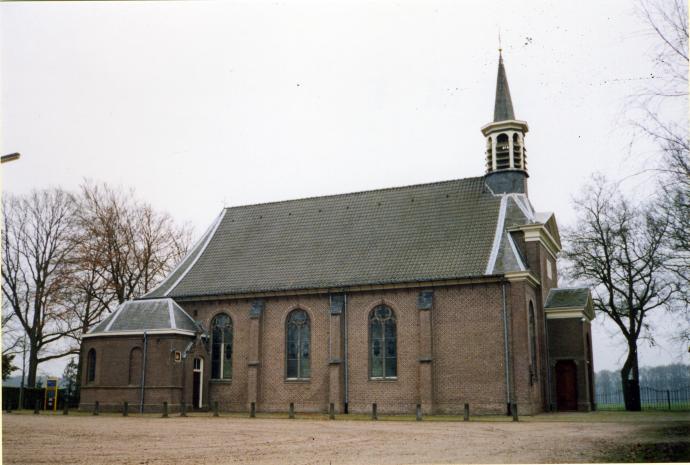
(198, 105)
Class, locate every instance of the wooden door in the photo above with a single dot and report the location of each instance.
(566, 385)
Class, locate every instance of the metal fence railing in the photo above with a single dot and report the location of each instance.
(651, 399)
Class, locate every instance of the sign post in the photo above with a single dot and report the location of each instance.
(51, 395)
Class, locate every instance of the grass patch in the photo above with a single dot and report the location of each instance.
(666, 444)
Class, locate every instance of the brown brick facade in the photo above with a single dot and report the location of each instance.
(447, 355)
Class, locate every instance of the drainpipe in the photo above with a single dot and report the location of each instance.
(143, 374)
(506, 345)
(347, 396)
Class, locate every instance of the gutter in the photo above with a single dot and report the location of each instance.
(143, 374)
(506, 345)
(345, 355)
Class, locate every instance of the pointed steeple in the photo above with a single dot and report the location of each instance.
(506, 156)
(503, 108)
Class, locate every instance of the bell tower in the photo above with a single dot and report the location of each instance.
(506, 157)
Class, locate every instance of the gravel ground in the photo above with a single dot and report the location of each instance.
(110, 439)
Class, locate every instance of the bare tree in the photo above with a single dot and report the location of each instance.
(618, 249)
(129, 245)
(38, 238)
(667, 22)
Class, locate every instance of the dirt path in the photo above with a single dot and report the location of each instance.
(148, 440)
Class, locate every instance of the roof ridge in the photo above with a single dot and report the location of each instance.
(345, 194)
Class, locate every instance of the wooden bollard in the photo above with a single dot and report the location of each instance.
(514, 411)
(331, 411)
(96, 408)
(374, 415)
(165, 409)
(125, 409)
(8, 408)
(216, 409)
(466, 417)
(252, 410)
(183, 409)
(291, 411)
(419, 413)
(37, 407)
(65, 408)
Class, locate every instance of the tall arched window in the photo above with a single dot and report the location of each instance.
(532, 343)
(383, 351)
(298, 340)
(221, 347)
(91, 366)
(135, 357)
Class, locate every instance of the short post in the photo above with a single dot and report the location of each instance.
(291, 411)
(37, 407)
(331, 411)
(374, 415)
(96, 408)
(216, 411)
(466, 417)
(668, 398)
(513, 410)
(165, 409)
(183, 409)
(252, 410)
(8, 409)
(419, 412)
(125, 409)
(65, 408)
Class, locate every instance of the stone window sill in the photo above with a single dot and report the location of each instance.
(298, 380)
(221, 381)
(386, 379)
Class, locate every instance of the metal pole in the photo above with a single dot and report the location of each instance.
(143, 374)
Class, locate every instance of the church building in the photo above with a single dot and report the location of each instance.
(436, 295)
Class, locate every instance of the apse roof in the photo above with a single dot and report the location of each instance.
(153, 315)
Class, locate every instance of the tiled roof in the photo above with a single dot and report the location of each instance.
(141, 315)
(435, 231)
(567, 298)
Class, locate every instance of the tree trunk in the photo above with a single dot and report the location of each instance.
(630, 377)
(33, 366)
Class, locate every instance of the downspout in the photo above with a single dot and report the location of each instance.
(549, 394)
(143, 374)
(346, 361)
(506, 345)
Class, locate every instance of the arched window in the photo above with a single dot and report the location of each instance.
(532, 343)
(221, 347)
(135, 366)
(383, 351)
(502, 151)
(91, 366)
(297, 340)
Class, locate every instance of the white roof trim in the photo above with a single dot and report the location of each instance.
(201, 252)
(141, 331)
(497, 237)
(515, 252)
(192, 250)
(523, 205)
(172, 314)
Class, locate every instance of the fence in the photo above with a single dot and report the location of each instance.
(10, 398)
(651, 399)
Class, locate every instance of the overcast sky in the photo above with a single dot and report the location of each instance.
(200, 105)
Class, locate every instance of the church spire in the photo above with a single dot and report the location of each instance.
(503, 108)
(506, 156)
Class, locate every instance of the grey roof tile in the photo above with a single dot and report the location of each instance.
(441, 230)
(140, 315)
(567, 297)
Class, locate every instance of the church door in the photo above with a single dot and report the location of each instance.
(566, 385)
(196, 382)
